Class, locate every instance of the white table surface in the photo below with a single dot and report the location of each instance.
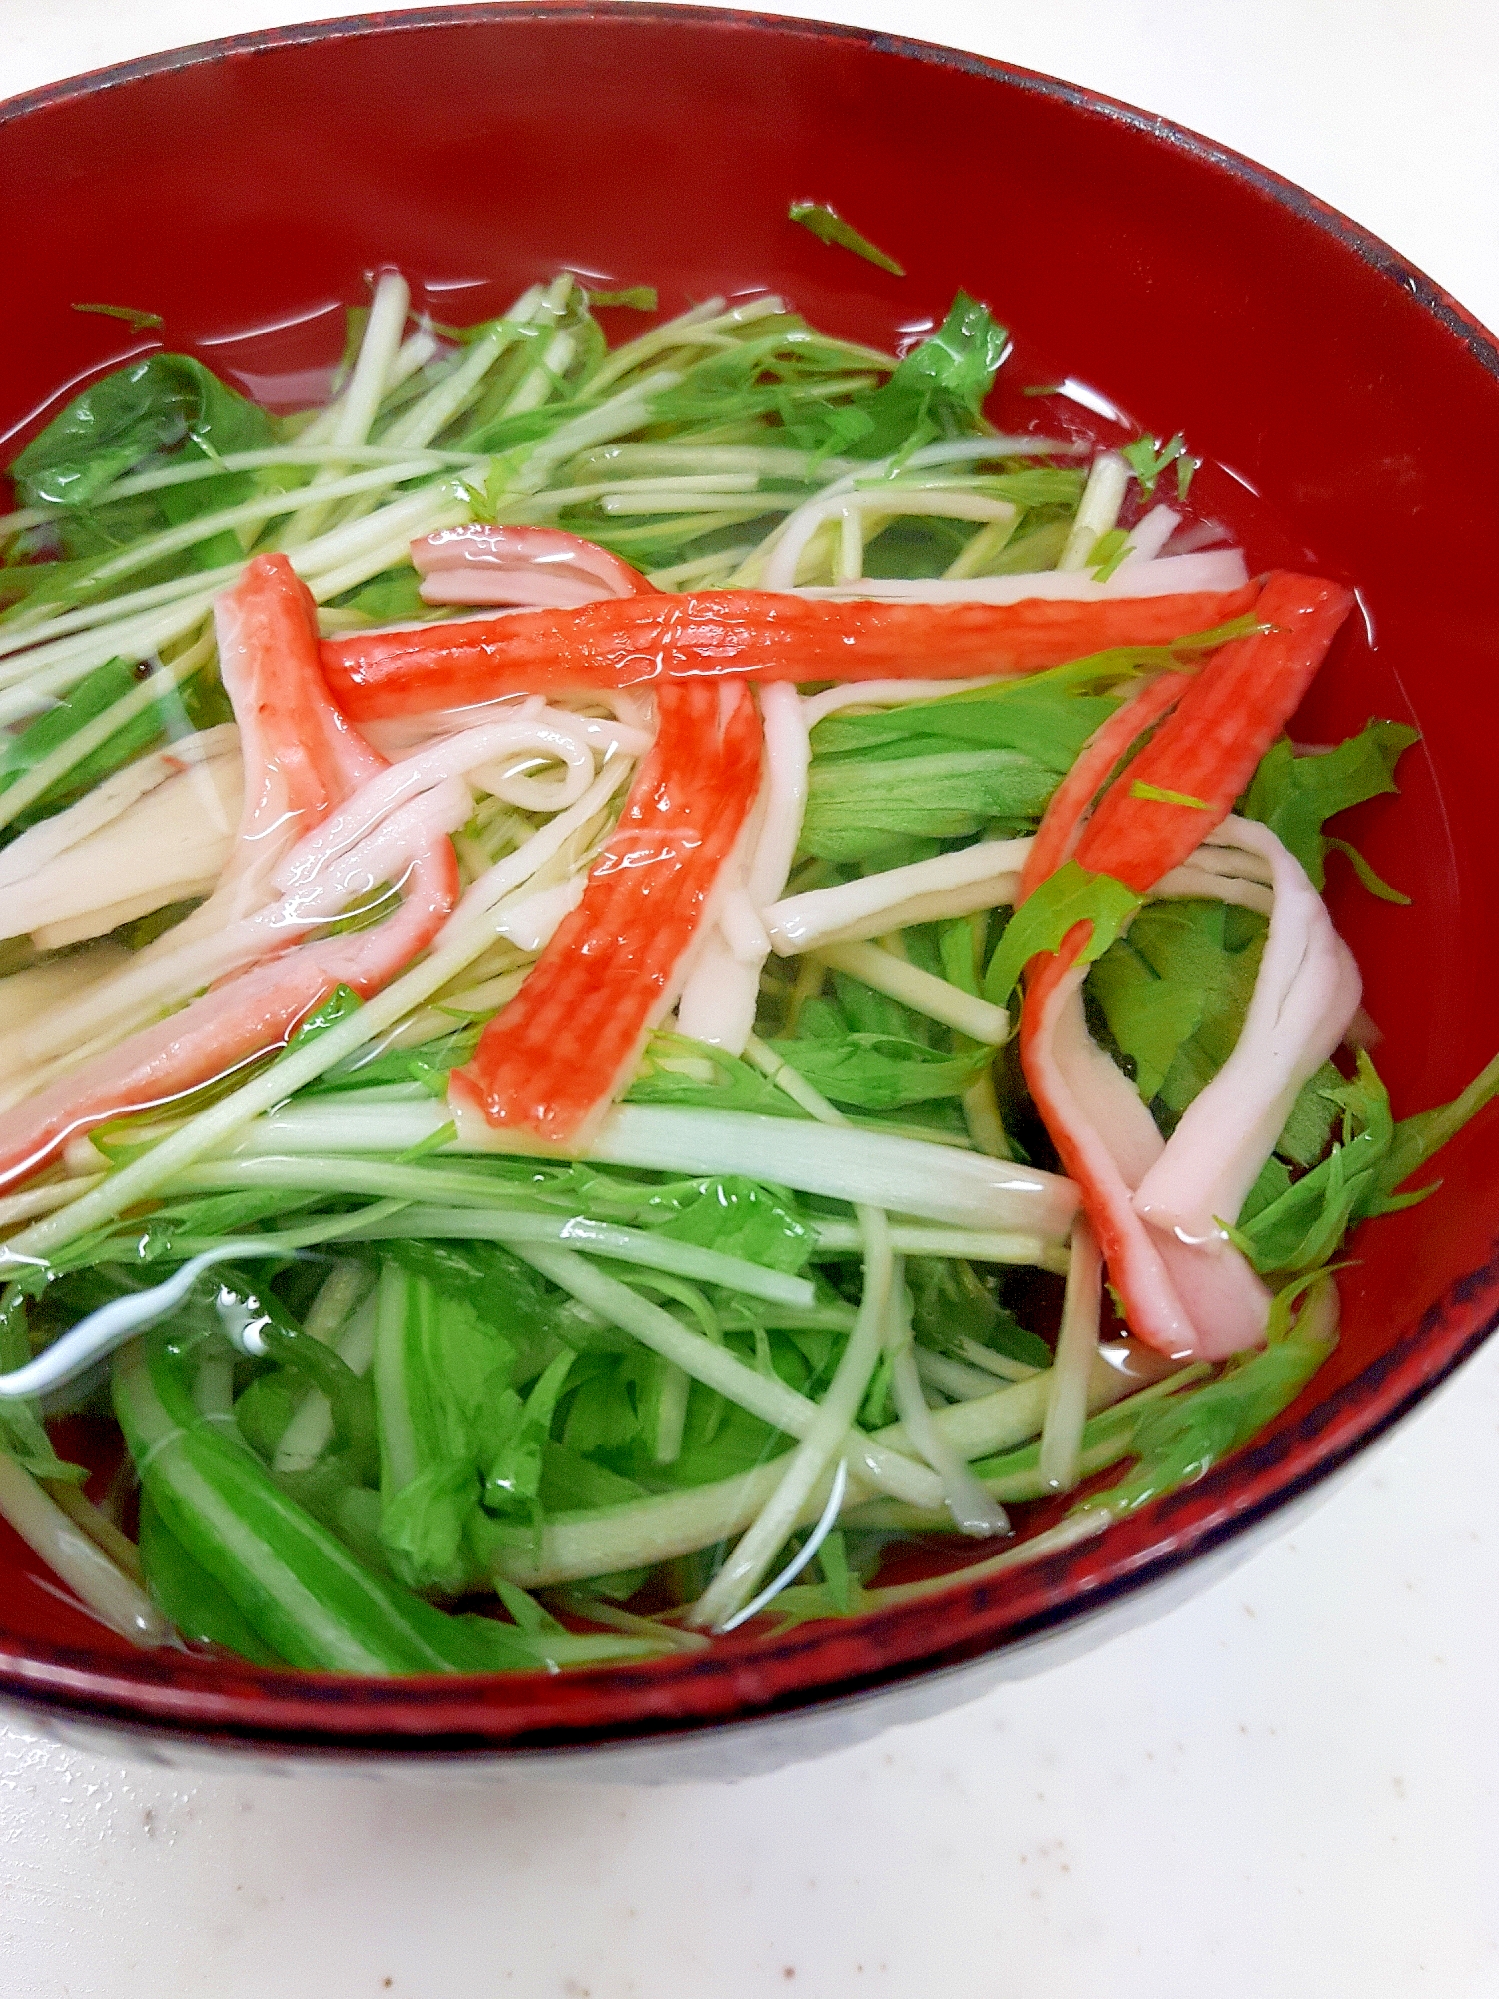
(1290, 1787)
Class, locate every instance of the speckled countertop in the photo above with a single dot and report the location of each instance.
(1288, 1788)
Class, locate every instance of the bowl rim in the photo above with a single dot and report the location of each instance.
(764, 1680)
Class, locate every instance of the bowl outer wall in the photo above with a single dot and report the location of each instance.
(250, 182)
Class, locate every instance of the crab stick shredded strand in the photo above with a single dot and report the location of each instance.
(719, 997)
(1108, 1141)
(636, 641)
(1178, 1298)
(301, 755)
(1228, 716)
(1062, 822)
(550, 1062)
(1306, 992)
(302, 759)
(221, 1031)
(483, 564)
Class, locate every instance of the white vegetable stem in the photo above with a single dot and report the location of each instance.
(937, 998)
(361, 398)
(310, 1430)
(973, 1510)
(910, 1176)
(1167, 576)
(1097, 511)
(74, 1556)
(765, 1396)
(1077, 1351)
(436, 410)
(668, 1524)
(821, 1443)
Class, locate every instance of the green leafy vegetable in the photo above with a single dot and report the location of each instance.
(1148, 460)
(878, 1072)
(284, 1341)
(1362, 1174)
(442, 1378)
(1374, 883)
(951, 1303)
(1072, 895)
(859, 811)
(339, 1004)
(23, 1435)
(678, 1070)
(200, 1607)
(520, 1430)
(1180, 1439)
(394, 597)
(1174, 992)
(306, 1597)
(735, 1216)
(1293, 795)
(828, 226)
(199, 703)
(938, 390)
(162, 409)
(1108, 552)
(1417, 1138)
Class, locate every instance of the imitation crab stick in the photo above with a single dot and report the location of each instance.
(302, 759)
(550, 1062)
(1179, 1297)
(1228, 716)
(634, 641)
(1062, 821)
(483, 564)
(301, 755)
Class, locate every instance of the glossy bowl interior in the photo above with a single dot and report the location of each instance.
(1348, 414)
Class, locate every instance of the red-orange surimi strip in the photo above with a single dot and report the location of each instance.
(1061, 823)
(1230, 714)
(271, 667)
(644, 640)
(551, 1061)
(301, 757)
(247, 1016)
(1208, 748)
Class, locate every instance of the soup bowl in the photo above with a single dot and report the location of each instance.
(1346, 413)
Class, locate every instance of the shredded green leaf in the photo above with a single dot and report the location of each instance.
(1158, 794)
(1148, 460)
(1071, 896)
(1293, 795)
(136, 320)
(828, 226)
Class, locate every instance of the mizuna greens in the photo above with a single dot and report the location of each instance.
(635, 935)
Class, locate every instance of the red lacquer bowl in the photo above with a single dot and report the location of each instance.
(1349, 415)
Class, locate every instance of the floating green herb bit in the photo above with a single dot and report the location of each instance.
(135, 319)
(1148, 460)
(1157, 794)
(829, 226)
(637, 298)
